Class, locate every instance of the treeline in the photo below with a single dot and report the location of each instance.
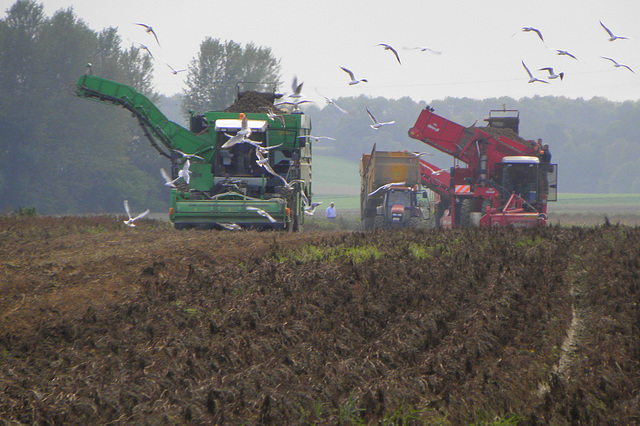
(595, 142)
(61, 154)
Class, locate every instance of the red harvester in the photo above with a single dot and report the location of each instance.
(502, 181)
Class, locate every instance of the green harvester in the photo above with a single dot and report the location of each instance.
(227, 186)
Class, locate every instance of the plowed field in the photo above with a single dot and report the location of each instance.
(100, 323)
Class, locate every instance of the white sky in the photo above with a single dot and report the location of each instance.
(481, 42)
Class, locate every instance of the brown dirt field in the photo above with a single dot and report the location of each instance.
(100, 323)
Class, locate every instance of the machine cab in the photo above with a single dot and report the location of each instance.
(398, 204)
(238, 160)
(534, 181)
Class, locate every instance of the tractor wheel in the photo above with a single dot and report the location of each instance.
(378, 222)
(415, 222)
(465, 212)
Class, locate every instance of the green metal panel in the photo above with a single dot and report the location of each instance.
(172, 135)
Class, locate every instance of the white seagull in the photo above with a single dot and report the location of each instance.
(168, 180)
(188, 156)
(332, 102)
(388, 47)
(565, 53)
(385, 187)
(611, 35)
(185, 173)
(142, 46)
(532, 79)
(309, 208)
(297, 88)
(129, 222)
(150, 30)
(424, 49)
(552, 75)
(418, 154)
(535, 30)
(376, 124)
(273, 116)
(617, 64)
(235, 139)
(175, 71)
(263, 162)
(353, 79)
(242, 136)
(294, 103)
(317, 138)
(230, 226)
(262, 213)
(245, 130)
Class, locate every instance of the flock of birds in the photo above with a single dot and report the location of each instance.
(149, 29)
(553, 75)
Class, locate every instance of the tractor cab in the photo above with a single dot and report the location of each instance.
(533, 181)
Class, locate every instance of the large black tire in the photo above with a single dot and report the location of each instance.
(465, 212)
(293, 225)
(415, 222)
(378, 222)
(438, 212)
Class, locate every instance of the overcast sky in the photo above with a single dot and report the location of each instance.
(481, 42)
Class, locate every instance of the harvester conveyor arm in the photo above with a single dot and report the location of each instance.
(172, 135)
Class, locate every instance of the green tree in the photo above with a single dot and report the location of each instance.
(219, 67)
(61, 154)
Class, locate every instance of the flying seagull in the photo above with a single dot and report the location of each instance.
(532, 79)
(385, 187)
(424, 49)
(310, 209)
(144, 47)
(238, 138)
(317, 138)
(552, 75)
(262, 213)
(376, 124)
(611, 35)
(297, 88)
(245, 130)
(263, 162)
(230, 226)
(332, 102)
(188, 156)
(617, 64)
(150, 30)
(175, 71)
(388, 47)
(129, 222)
(353, 79)
(241, 136)
(535, 30)
(273, 116)
(168, 181)
(294, 103)
(418, 154)
(185, 173)
(564, 52)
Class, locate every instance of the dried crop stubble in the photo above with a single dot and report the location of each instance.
(464, 331)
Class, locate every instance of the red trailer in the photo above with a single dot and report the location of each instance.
(497, 178)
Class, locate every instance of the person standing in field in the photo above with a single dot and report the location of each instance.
(331, 212)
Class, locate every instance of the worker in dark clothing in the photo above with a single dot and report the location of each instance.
(545, 157)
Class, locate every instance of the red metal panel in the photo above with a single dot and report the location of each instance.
(437, 132)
